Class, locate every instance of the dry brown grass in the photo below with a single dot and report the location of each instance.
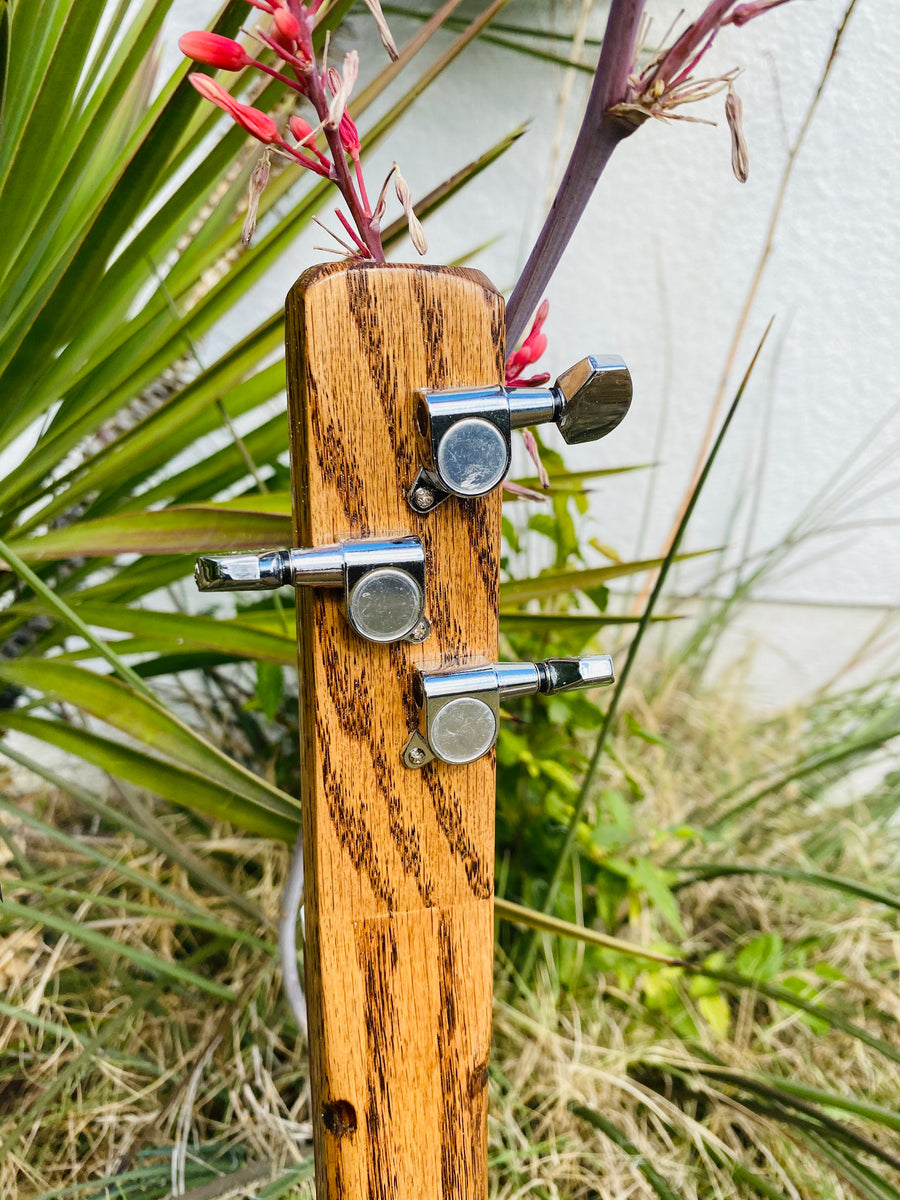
(109, 1067)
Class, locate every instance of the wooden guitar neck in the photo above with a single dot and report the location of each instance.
(399, 862)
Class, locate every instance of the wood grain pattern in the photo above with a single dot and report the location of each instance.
(399, 863)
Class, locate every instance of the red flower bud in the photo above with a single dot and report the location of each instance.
(349, 134)
(299, 128)
(210, 90)
(286, 24)
(258, 123)
(214, 50)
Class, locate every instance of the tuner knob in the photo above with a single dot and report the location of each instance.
(590, 399)
(466, 431)
(383, 581)
(459, 708)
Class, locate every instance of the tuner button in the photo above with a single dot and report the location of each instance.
(463, 730)
(569, 674)
(592, 398)
(472, 457)
(242, 572)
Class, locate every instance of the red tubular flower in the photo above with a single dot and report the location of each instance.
(214, 50)
(258, 123)
(530, 351)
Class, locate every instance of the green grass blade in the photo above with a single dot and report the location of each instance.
(196, 920)
(572, 482)
(705, 871)
(188, 529)
(286, 1182)
(556, 583)
(825, 1012)
(176, 784)
(155, 440)
(862, 1178)
(784, 1090)
(12, 912)
(62, 1033)
(62, 610)
(627, 1146)
(147, 721)
(231, 637)
(580, 623)
(213, 474)
(530, 918)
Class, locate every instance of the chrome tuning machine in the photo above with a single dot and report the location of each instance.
(465, 432)
(383, 581)
(459, 708)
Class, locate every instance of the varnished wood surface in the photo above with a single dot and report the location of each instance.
(399, 863)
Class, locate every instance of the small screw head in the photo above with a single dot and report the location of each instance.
(416, 756)
(419, 632)
(423, 497)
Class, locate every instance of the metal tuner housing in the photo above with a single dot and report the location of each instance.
(383, 581)
(459, 708)
(465, 432)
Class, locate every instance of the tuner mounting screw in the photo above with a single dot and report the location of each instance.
(416, 756)
(423, 498)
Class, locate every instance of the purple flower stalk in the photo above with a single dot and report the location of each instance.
(598, 136)
(620, 102)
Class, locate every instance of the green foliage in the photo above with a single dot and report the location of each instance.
(121, 250)
(714, 928)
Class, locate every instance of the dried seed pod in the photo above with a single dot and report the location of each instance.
(416, 232)
(384, 32)
(734, 115)
(258, 180)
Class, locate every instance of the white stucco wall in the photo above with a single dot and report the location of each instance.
(660, 267)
